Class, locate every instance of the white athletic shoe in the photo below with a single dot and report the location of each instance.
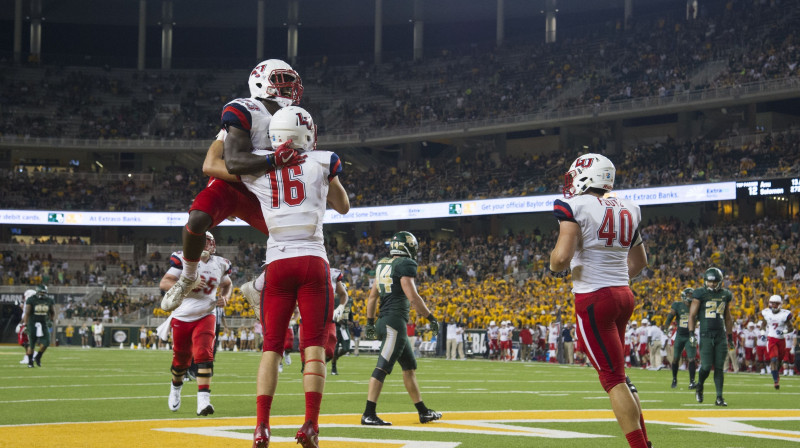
(287, 358)
(204, 406)
(280, 368)
(174, 297)
(252, 296)
(763, 371)
(174, 397)
(24, 360)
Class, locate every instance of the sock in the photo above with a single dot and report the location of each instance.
(177, 383)
(263, 406)
(313, 401)
(370, 409)
(204, 388)
(30, 359)
(190, 268)
(421, 408)
(674, 370)
(703, 375)
(692, 370)
(636, 439)
(775, 375)
(258, 284)
(719, 380)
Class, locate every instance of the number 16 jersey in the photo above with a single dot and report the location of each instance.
(609, 228)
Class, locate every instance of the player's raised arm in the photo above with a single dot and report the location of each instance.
(214, 164)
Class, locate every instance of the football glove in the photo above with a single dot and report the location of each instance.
(693, 341)
(434, 323)
(369, 330)
(337, 313)
(559, 274)
(284, 155)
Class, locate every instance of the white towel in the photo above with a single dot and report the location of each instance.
(163, 330)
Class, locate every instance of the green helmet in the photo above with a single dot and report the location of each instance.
(713, 278)
(404, 244)
(41, 289)
(687, 295)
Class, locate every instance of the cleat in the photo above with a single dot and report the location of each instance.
(174, 297)
(720, 402)
(288, 359)
(777, 386)
(204, 406)
(674, 383)
(334, 371)
(280, 368)
(174, 398)
(261, 436)
(307, 436)
(692, 385)
(38, 361)
(30, 366)
(373, 420)
(429, 416)
(699, 393)
(252, 296)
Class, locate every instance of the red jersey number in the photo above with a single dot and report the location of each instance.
(617, 227)
(286, 186)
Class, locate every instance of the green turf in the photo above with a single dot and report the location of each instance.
(84, 385)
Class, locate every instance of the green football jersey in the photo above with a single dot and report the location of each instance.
(681, 311)
(711, 314)
(40, 309)
(388, 274)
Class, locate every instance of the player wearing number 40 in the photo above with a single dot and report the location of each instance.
(599, 242)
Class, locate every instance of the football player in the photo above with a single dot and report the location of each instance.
(22, 334)
(293, 201)
(39, 313)
(341, 316)
(749, 336)
(395, 287)
(716, 326)
(680, 311)
(611, 253)
(193, 323)
(778, 323)
(245, 121)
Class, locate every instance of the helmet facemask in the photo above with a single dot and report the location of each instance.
(275, 80)
(589, 171)
(775, 304)
(210, 247)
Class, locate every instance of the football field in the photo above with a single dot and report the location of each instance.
(118, 398)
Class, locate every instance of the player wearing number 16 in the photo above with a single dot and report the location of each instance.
(293, 200)
(599, 241)
(711, 307)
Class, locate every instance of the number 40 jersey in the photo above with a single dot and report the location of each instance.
(609, 228)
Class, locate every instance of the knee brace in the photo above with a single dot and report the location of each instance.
(178, 371)
(379, 374)
(205, 365)
(630, 385)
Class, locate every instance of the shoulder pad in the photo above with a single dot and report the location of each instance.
(563, 211)
(176, 260)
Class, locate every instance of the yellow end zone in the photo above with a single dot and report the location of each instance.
(220, 432)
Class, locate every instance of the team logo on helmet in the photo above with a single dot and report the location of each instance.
(713, 278)
(404, 244)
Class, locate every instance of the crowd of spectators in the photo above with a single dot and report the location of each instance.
(654, 55)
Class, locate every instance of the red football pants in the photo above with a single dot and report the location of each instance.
(193, 340)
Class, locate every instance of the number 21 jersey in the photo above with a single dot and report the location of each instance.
(609, 228)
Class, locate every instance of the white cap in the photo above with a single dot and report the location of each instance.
(492, 324)
(633, 322)
(645, 322)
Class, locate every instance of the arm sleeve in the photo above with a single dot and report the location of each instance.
(563, 211)
(335, 166)
(236, 115)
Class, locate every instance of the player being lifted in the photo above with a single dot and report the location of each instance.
(680, 311)
(273, 85)
(711, 307)
(194, 322)
(599, 240)
(779, 324)
(395, 287)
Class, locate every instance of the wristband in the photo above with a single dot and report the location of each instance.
(270, 161)
(370, 321)
(221, 135)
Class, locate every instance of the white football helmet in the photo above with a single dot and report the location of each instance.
(293, 123)
(275, 80)
(589, 171)
(492, 324)
(29, 293)
(775, 303)
(211, 245)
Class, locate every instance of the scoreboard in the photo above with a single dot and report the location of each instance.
(766, 188)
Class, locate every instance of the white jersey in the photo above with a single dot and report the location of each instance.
(609, 228)
(542, 332)
(655, 334)
(629, 334)
(200, 303)
(504, 334)
(749, 337)
(641, 334)
(250, 115)
(336, 276)
(491, 332)
(776, 322)
(293, 201)
(553, 333)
